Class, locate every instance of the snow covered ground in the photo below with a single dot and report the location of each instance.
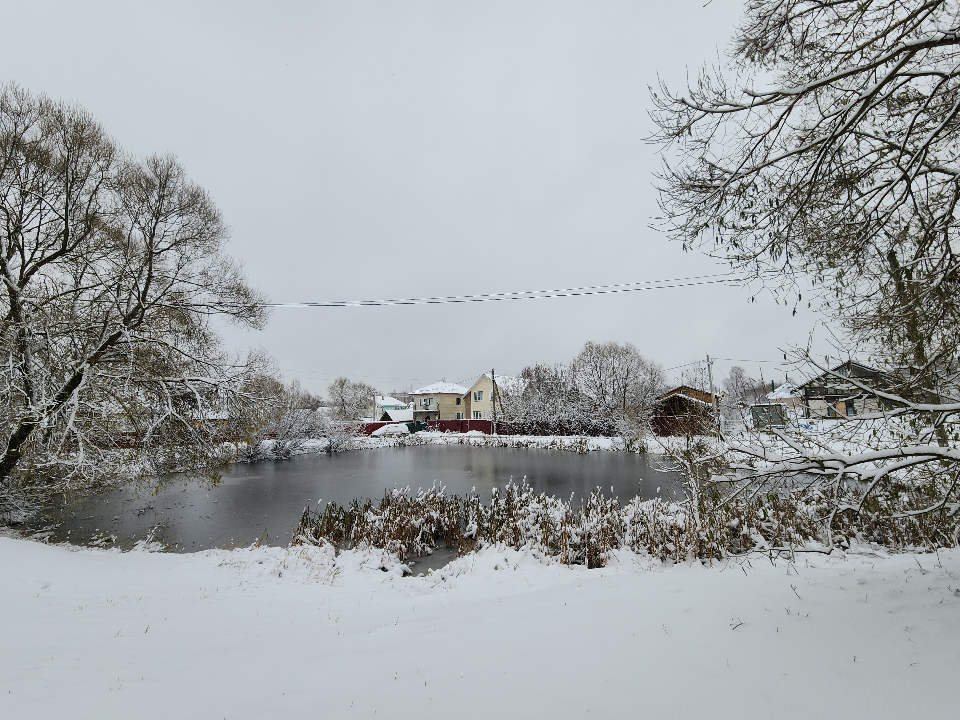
(576, 443)
(270, 632)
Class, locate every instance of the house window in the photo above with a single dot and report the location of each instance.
(426, 402)
(477, 415)
(459, 416)
(458, 400)
(478, 395)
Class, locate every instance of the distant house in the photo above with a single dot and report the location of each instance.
(439, 401)
(397, 415)
(832, 395)
(477, 403)
(684, 410)
(788, 395)
(386, 405)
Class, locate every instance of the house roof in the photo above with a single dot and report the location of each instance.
(851, 368)
(504, 382)
(689, 392)
(399, 415)
(442, 388)
(784, 392)
(387, 400)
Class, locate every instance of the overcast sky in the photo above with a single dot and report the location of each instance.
(402, 149)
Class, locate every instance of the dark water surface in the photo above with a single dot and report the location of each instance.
(265, 500)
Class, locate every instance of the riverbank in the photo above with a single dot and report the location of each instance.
(573, 443)
(268, 631)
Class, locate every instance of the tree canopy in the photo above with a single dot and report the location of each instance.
(828, 148)
(113, 268)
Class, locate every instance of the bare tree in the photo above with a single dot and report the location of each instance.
(287, 420)
(112, 269)
(828, 151)
(741, 387)
(620, 383)
(842, 170)
(350, 400)
(546, 401)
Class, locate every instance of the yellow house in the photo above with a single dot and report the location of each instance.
(440, 401)
(478, 400)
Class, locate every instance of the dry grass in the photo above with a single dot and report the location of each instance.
(407, 525)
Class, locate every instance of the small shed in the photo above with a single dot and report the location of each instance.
(684, 410)
(768, 415)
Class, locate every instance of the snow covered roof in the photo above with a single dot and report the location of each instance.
(689, 392)
(504, 382)
(399, 415)
(442, 388)
(387, 400)
(784, 392)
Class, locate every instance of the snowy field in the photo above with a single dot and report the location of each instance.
(269, 632)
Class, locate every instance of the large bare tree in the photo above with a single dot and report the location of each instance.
(619, 383)
(349, 400)
(113, 268)
(828, 149)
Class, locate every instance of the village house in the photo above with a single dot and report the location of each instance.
(831, 396)
(478, 400)
(788, 395)
(684, 410)
(440, 401)
(389, 409)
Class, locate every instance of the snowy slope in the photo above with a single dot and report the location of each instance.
(294, 633)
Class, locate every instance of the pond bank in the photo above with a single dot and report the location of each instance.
(263, 500)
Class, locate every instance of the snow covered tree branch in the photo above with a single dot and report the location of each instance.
(112, 270)
(826, 152)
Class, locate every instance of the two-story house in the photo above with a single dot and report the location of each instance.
(830, 395)
(478, 400)
(440, 401)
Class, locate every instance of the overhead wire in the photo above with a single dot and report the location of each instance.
(713, 279)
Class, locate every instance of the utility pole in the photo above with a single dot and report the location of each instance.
(493, 398)
(713, 395)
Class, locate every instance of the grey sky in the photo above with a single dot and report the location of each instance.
(398, 149)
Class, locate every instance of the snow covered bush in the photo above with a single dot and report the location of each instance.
(714, 526)
(287, 421)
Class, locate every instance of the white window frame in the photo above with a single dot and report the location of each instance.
(459, 416)
(478, 395)
(477, 415)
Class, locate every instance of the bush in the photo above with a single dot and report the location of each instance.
(406, 525)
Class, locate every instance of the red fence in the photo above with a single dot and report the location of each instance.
(368, 427)
(462, 426)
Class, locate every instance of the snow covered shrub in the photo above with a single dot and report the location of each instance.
(341, 436)
(714, 527)
(518, 517)
(15, 507)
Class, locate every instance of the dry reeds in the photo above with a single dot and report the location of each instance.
(408, 525)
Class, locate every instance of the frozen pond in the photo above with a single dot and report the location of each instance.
(264, 500)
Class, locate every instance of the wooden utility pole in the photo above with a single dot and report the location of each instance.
(713, 395)
(493, 398)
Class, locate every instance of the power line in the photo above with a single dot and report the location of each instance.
(771, 362)
(695, 362)
(724, 279)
